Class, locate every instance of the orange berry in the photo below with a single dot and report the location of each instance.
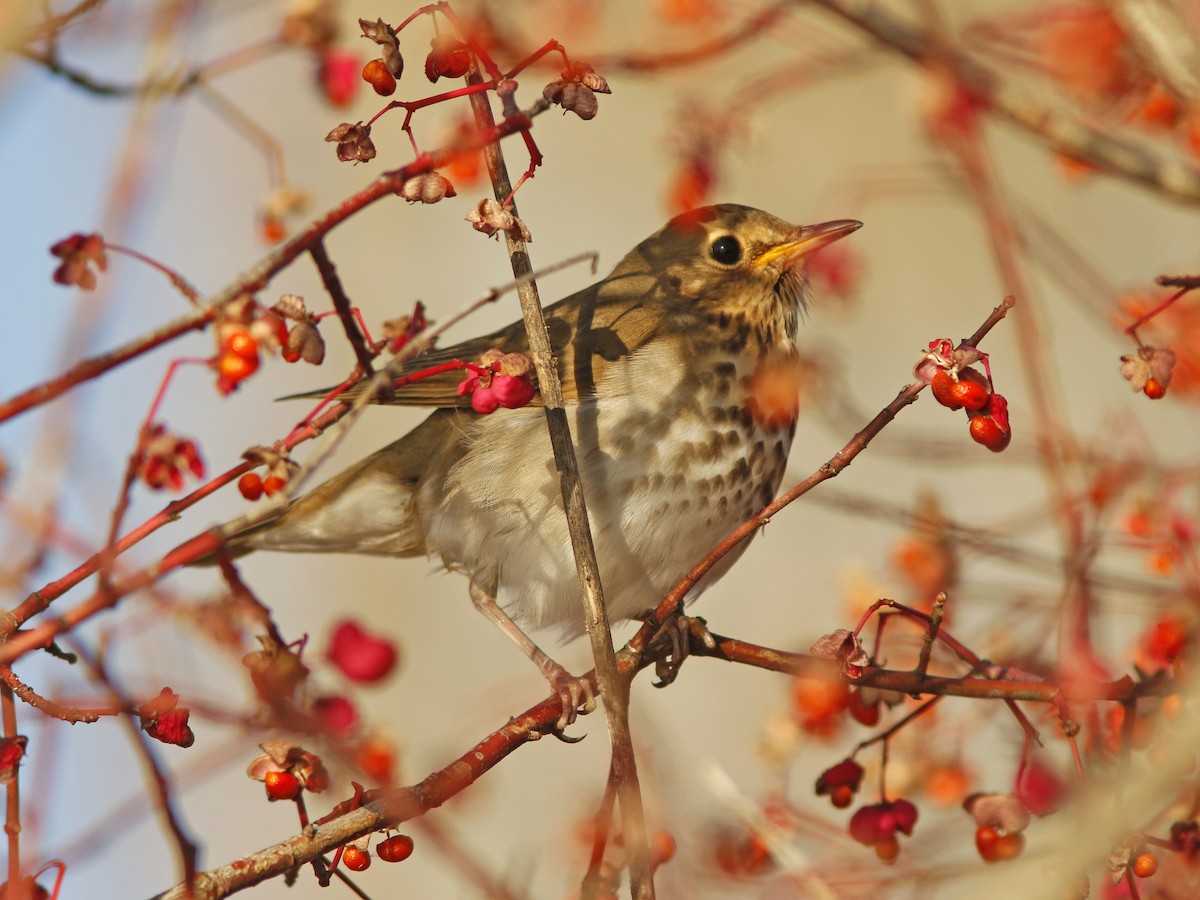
(281, 785)
(943, 384)
(376, 74)
(818, 703)
(397, 848)
(1009, 846)
(235, 369)
(888, 850)
(841, 796)
(251, 485)
(1145, 865)
(241, 343)
(271, 229)
(1154, 389)
(356, 859)
(289, 355)
(969, 393)
(272, 485)
(1159, 109)
(662, 847)
(984, 430)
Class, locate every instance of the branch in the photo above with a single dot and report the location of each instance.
(613, 689)
(260, 274)
(1171, 178)
(387, 808)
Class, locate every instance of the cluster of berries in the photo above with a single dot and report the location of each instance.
(957, 385)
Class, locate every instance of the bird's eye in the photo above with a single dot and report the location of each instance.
(726, 250)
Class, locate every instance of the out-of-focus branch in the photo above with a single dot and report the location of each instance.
(1171, 178)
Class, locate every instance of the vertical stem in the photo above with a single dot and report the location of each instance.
(614, 690)
(12, 818)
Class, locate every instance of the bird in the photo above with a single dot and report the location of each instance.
(680, 376)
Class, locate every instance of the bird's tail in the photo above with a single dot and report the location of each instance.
(369, 508)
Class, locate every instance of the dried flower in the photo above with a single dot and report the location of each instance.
(844, 646)
(490, 217)
(1150, 363)
(1005, 812)
(79, 253)
(384, 35)
(284, 756)
(163, 458)
(353, 142)
(429, 187)
(578, 98)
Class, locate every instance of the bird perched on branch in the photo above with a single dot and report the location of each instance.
(680, 376)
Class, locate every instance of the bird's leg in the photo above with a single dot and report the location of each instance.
(680, 629)
(574, 693)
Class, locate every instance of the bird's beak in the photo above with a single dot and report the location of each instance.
(807, 239)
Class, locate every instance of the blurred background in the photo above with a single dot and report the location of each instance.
(782, 107)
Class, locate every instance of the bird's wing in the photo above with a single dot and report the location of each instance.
(589, 331)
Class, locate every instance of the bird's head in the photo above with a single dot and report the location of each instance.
(737, 265)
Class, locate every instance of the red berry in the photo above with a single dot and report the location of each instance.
(289, 355)
(1145, 865)
(841, 796)
(984, 430)
(376, 74)
(1154, 389)
(863, 713)
(251, 485)
(397, 848)
(272, 485)
(970, 393)
(356, 859)
(281, 785)
(943, 389)
(985, 842)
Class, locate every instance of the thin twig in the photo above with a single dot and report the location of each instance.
(343, 306)
(613, 689)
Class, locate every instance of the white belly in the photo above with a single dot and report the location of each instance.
(664, 479)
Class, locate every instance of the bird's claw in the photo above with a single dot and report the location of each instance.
(574, 693)
(680, 630)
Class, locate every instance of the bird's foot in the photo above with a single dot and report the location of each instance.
(574, 692)
(680, 630)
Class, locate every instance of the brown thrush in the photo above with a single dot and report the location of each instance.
(679, 375)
